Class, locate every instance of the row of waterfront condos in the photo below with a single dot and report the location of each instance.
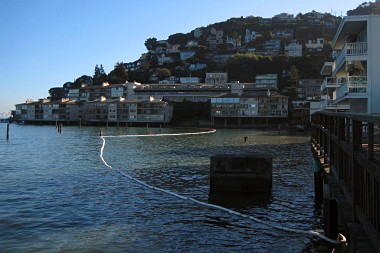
(133, 102)
(352, 84)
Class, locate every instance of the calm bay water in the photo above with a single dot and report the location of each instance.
(57, 195)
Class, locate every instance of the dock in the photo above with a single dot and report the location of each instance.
(346, 150)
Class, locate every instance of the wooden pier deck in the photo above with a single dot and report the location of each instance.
(346, 150)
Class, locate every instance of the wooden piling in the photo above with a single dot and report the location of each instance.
(60, 128)
(7, 131)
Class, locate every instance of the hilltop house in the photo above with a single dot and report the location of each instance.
(215, 38)
(315, 46)
(250, 36)
(294, 49)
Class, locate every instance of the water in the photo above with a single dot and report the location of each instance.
(57, 195)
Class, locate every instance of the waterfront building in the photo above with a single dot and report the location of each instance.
(47, 111)
(195, 92)
(261, 107)
(352, 81)
(123, 110)
(119, 110)
(90, 93)
(93, 92)
(180, 92)
(302, 111)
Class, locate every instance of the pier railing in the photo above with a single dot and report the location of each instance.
(348, 146)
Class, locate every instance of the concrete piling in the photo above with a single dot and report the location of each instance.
(243, 173)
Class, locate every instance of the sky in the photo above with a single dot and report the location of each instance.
(46, 43)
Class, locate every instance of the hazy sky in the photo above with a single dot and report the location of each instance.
(45, 43)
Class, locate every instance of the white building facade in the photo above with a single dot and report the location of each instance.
(353, 78)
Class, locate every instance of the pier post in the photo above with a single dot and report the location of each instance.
(318, 182)
(7, 131)
(330, 210)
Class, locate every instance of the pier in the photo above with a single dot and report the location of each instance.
(346, 149)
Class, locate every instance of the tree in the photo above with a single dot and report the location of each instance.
(236, 38)
(56, 93)
(268, 35)
(242, 67)
(366, 8)
(151, 44)
(179, 38)
(294, 73)
(84, 79)
(100, 75)
(118, 74)
(162, 73)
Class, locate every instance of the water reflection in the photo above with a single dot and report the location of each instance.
(240, 201)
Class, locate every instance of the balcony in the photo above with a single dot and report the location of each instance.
(350, 51)
(329, 105)
(331, 83)
(354, 86)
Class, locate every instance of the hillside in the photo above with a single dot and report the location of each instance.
(243, 47)
(293, 46)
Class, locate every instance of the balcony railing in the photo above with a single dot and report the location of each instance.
(332, 82)
(351, 49)
(353, 85)
(328, 104)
